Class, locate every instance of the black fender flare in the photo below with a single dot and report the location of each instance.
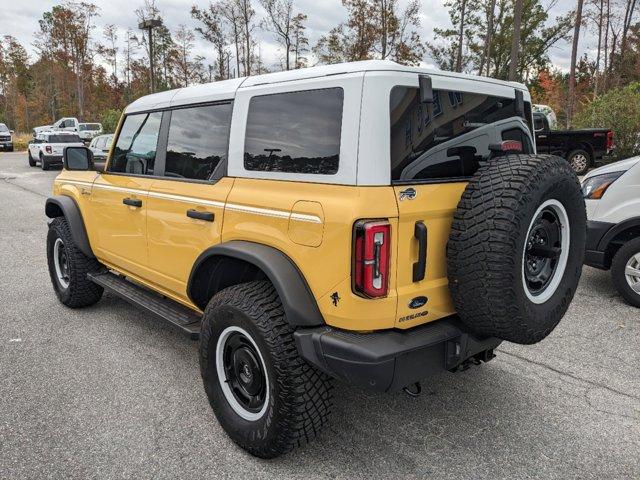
(616, 230)
(297, 299)
(64, 206)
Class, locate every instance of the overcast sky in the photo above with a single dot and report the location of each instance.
(20, 19)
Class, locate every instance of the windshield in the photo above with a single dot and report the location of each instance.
(90, 126)
(64, 139)
(3, 128)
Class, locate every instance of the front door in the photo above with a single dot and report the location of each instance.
(185, 208)
(119, 196)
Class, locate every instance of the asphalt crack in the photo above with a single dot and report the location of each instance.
(570, 375)
(6, 180)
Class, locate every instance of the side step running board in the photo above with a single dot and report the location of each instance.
(183, 318)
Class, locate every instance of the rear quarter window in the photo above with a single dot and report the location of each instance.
(295, 132)
(443, 140)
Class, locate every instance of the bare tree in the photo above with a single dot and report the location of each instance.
(280, 21)
(247, 14)
(574, 55)
(515, 43)
(214, 29)
(485, 60)
(110, 50)
(300, 41)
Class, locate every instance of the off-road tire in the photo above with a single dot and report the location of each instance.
(32, 161)
(618, 266)
(486, 248)
(300, 396)
(583, 169)
(43, 163)
(81, 292)
(10, 149)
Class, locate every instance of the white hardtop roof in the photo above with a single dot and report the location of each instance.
(226, 89)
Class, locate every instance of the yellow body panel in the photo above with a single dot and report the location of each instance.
(158, 244)
(327, 267)
(434, 205)
(175, 240)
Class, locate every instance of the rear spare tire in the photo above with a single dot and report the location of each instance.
(516, 247)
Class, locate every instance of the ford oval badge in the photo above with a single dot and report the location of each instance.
(418, 302)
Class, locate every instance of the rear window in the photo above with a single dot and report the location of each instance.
(64, 139)
(436, 141)
(295, 132)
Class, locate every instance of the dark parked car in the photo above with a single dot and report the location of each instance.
(581, 148)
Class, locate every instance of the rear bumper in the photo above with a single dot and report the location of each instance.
(595, 255)
(52, 159)
(392, 359)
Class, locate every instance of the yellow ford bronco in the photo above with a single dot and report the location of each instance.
(369, 222)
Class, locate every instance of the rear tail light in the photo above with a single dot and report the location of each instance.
(610, 143)
(372, 239)
(507, 146)
(48, 149)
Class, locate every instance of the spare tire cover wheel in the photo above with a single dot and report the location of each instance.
(516, 247)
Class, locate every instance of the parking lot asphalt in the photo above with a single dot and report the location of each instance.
(108, 392)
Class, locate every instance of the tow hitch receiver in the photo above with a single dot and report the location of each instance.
(477, 359)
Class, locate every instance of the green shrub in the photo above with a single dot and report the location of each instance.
(619, 110)
(110, 119)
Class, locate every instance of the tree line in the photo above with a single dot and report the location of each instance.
(77, 70)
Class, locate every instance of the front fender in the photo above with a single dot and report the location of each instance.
(63, 206)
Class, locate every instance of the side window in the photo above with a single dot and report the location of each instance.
(198, 141)
(135, 151)
(296, 132)
(447, 139)
(538, 123)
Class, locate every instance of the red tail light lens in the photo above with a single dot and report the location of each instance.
(610, 143)
(48, 149)
(372, 242)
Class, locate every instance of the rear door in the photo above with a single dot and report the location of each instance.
(434, 151)
(186, 203)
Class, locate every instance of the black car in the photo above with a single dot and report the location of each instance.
(581, 148)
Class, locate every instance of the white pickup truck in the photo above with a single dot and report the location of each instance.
(66, 124)
(48, 147)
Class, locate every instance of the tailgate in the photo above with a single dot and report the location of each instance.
(433, 205)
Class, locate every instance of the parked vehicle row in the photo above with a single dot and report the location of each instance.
(86, 131)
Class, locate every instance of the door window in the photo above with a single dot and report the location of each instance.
(135, 150)
(198, 141)
(296, 132)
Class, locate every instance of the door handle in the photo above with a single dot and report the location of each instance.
(132, 202)
(200, 215)
(420, 267)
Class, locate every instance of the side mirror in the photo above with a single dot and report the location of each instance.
(77, 158)
(426, 89)
(11, 132)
